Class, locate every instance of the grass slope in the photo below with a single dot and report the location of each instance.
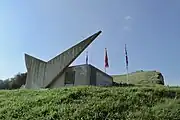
(141, 77)
(91, 103)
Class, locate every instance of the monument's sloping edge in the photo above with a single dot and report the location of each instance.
(57, 65)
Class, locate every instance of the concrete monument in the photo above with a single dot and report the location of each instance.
(42, 74)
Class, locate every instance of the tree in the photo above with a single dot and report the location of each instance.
(14, 83)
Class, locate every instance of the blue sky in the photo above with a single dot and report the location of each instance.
(45, 28)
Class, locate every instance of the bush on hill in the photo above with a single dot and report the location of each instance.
(91, 103)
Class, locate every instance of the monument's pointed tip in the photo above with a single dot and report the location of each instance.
(26, 55)
(99, 32)
(93, 37)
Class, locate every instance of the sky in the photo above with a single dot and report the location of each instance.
(45, 28)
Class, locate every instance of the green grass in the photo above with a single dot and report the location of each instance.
(91, 103)
(144, 77)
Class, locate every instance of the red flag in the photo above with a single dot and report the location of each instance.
(106, 59)
(126, 56)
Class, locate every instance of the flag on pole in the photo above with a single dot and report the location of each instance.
(126, 56)
(106, 59)
(126, 63)
(87, 57)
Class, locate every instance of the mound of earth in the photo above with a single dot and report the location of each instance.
(140, 77)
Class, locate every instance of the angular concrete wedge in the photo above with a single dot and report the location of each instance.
(41, 74)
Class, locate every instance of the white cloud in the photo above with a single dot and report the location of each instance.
(127, 17)
(127, 28)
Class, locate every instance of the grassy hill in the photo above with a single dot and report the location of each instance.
(91, 103)
(140, 77)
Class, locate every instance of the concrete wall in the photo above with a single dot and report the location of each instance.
(35, 72)
(99, 78)
(102, 79)
(59, 82)
(92, 75)
(81, 74)
(56, 66)
(84, 75)
(81, 77)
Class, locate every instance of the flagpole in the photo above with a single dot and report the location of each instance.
(127, 75)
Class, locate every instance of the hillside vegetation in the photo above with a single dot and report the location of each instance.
(91, 103)
(140, 77)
